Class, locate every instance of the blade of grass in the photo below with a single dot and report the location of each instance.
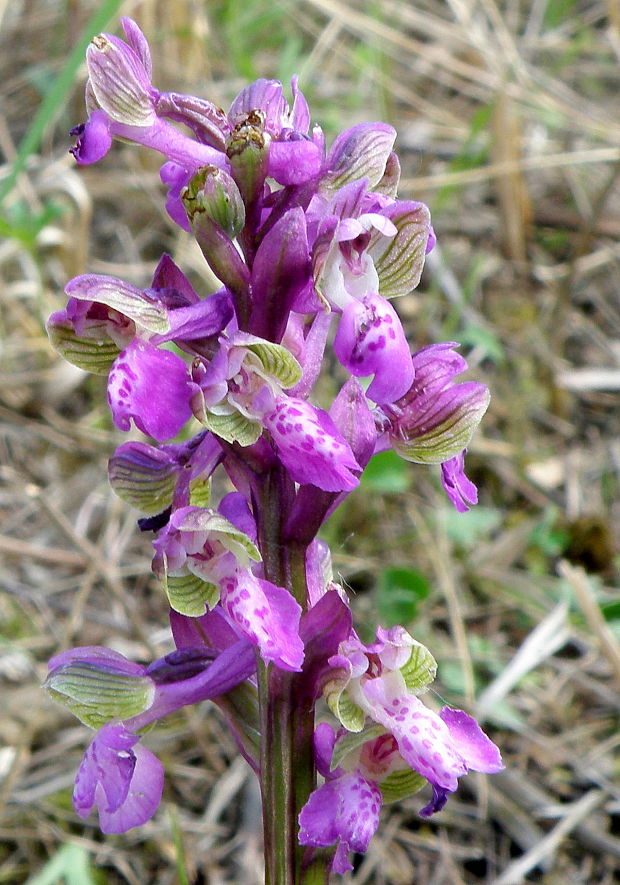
(57, 93)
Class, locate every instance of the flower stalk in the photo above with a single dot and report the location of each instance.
(310, 244)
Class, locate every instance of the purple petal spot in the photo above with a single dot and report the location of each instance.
(150, 386)
(370, 340)
(315, 453)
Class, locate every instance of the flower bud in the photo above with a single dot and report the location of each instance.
(204, 210)
(213, 192)
(248, 153)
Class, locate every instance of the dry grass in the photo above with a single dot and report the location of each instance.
(507, 114)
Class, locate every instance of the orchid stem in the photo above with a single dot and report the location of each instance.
(287, 769)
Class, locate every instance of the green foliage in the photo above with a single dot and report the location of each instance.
(399, 591)
(386, 472)
(557, 11)
(547, 536)
(466, 529)
(69, 865)
(20, 222)
(261, 26)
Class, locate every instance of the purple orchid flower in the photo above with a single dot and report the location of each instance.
(436, 419)
(123, 103)
(383, 680)
(119, 776)
(145, 383)
(216, 549)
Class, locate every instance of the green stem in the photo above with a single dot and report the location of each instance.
(287, 769)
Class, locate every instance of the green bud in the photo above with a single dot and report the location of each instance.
(215, 193)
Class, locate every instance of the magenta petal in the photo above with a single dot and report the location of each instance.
(294, 162)
(150, 386)
(97, 656)
(93, 138)
(310, 446)
(124, 783)
(478, 750)
(345, 809)
(423, 739)
(268, 615)
(143, 798)
(370, 340)
(459, 489)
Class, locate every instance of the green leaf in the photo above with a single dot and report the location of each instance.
(70, 863)
(190, 595)
(59, 89)
(401, 784)
(398, 592)
(96, 694)
(387, 472)
(466, 529)
(94, 354)
(611, 610)
(278, 362)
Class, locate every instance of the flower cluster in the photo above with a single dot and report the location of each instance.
(310, 245)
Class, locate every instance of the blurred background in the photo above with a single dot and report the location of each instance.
(507, 114)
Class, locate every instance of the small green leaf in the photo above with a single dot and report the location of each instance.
(611, 610)
(190, 595)
(94, 353)
(398, 593)
(466, 529)
(70, 864)
(401, 784)
(387, 472)
(97, 694)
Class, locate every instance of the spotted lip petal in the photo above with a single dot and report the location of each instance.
(267, 614)
(124, 781)
(343, 811)
(370, 341)
(311, 447)
(152, 387)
